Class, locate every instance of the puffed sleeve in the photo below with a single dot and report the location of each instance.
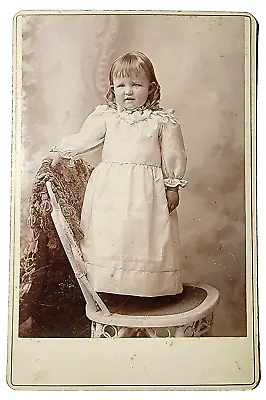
(90, 137)
(173, 153)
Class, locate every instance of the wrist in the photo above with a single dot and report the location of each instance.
(172, 189)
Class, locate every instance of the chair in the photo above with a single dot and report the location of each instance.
(189, 314)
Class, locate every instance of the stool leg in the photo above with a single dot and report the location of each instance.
(179, 331)
(209, 333)
(125, 332)
(103, 331)
(92, 329)
(98, 329)
(209, 325)
(150, 332)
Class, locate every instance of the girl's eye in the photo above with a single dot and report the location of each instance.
(121, 85)
(136, 84)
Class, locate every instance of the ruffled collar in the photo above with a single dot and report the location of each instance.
(143, 114)
(134, 116)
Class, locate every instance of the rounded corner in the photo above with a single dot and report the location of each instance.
(9, 383)
(256, 382)
(252, 18)
(18, 14)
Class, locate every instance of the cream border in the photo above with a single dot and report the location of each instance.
(238, 357)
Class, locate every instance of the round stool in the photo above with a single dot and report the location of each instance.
(189, 314)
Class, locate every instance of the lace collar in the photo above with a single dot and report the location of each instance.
(134, 116)
(140, 114)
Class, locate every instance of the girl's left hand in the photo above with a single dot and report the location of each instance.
(172, 197)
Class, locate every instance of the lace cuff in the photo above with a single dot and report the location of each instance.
(69, 155)
(173, 182)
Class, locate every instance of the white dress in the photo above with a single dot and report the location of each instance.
(131, 243)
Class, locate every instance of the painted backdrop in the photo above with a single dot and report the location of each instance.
(199, 62)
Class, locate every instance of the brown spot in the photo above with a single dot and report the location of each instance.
(39, 375)
(238, 366)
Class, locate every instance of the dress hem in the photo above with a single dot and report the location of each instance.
(142, 295)
(133, 282)
(172, 271)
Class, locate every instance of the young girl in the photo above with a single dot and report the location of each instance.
(131, 243)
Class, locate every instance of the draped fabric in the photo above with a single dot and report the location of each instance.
(49, 292)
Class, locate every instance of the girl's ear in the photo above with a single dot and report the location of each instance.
(152, 87)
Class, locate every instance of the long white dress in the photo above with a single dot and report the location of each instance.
(131, 243)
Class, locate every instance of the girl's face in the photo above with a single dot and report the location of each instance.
(132, 92)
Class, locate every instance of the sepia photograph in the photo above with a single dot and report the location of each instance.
(134, 190)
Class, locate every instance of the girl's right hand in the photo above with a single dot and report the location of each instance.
(53, 156)
(56, 157)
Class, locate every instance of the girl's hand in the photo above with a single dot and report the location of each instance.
(172, 196)
(53, 158)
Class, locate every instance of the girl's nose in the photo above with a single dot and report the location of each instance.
(129, 90)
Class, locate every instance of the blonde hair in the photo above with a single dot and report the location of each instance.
(132, 63)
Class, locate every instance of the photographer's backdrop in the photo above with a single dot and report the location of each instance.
(199, 63)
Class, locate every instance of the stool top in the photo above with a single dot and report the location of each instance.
(189, 299)
(193, 304)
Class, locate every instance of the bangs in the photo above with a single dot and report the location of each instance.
(125, 71)
(133, 64)
(126, 67)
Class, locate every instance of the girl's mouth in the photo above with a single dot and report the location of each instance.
(129, 99)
